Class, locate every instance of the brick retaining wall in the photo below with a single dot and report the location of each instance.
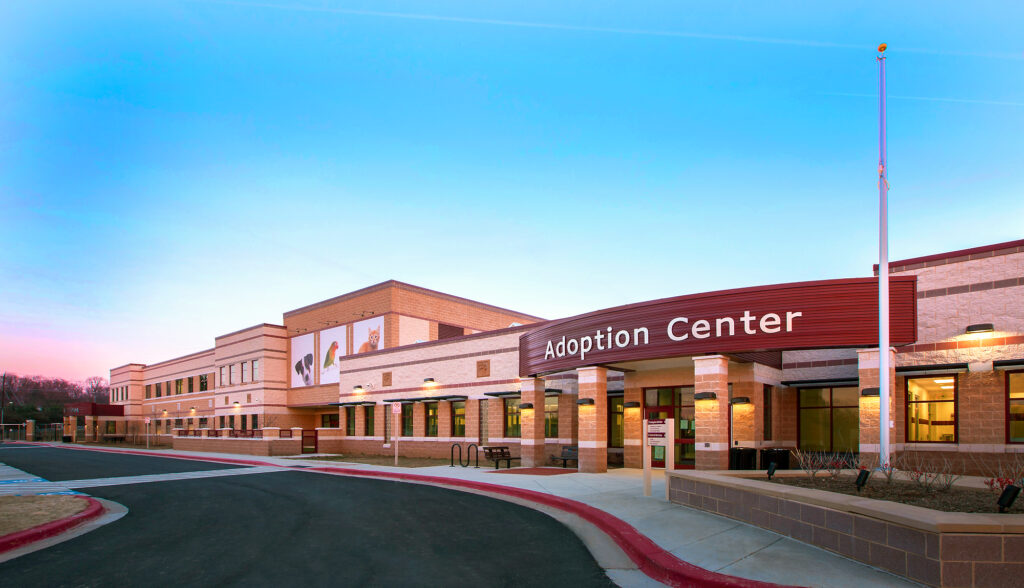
(267, 447)
(934, 548)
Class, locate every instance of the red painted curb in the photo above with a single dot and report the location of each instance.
(652, 560)
(46, 530)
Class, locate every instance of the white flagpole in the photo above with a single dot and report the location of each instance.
(883, 272)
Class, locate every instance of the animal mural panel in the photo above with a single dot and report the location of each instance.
(368, 335)
(303, 362)
(332, 349)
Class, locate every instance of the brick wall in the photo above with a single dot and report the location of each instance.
(268, 447)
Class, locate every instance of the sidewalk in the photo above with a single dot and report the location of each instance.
(711, 542)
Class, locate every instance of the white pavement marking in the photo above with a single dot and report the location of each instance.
(39, 486)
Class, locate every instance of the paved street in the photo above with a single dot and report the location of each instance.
(289, 528)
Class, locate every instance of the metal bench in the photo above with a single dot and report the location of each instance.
(569, 453)
(498, 455)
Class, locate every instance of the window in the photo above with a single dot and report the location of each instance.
(407, 420)
(231, 421)
(255, 421)
(255, 370)
(111, 427)
(177, 386)
(459, 419)
(158, 390)
(616, 422)
(203, 423)
(244, 423)
(223, 376)
(931, 409)
(177, 423)
(829, 419)
(329, 420)
(511, 417)
(222, 422)
(1015, 407)
(385, 379)
(225, 401)
(168, 388)
(191, 384)
(245, 372)
(204, 383)
(233, 374)
(368, 413)
(551, 417)
(167, 426)
(766, 405)
(431, 414)
(350, 420)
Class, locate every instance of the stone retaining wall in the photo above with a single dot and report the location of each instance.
(931, 547)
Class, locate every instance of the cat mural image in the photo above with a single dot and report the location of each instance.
(372, 340)
(368, 335)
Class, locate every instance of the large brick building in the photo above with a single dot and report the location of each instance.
(784, 366)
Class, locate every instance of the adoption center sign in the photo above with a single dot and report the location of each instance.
(803, 315)
(657, 432)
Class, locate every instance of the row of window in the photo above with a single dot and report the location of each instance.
(119, 394)
(240, 373)
(829, 418)
(178, 386)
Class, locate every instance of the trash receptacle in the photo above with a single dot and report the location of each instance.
(742, 458)
(779, 456)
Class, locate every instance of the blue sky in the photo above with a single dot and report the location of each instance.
(175, 170)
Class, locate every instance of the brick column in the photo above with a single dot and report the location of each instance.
(380, 412)
(419, 420)
(444, 419)
(361, 421)
(593, 418)
(568, 418)
(90, 428)
(744, 416)
(632, 427)
(867, 373)
(30, 430)
(495, 419)
(711, 374)
(531, 436)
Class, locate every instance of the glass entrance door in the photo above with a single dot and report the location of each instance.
(673, 403)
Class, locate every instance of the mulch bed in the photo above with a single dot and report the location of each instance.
(952, 500)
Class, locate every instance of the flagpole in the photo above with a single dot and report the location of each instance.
(883, 272)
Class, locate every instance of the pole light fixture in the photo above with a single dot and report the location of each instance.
(883, 268)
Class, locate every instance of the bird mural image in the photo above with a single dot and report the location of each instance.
(331, 356)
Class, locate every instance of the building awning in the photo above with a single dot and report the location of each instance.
(933, 369)
(1008, 364)
(355, 403)
(445, 397)
(508, 394)
(819, 383)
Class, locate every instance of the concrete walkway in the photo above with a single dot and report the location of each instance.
(712, 542)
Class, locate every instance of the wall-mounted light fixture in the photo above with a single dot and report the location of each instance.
(866, 392)
(429, 381)
(236, 403)
(631, 405)
(192, 408)
(741, 400)
(585, 402)
(525, 405)
(705, 396)
(357, 388)
(165, 411)
(980, 328)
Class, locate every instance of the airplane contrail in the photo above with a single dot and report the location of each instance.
(928, 99)
(593, 29)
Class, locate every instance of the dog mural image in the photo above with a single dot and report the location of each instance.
(303, 361)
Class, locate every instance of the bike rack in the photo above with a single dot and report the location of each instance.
(475, 452)
(452, 452)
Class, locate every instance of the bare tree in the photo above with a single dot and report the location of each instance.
(97, 389)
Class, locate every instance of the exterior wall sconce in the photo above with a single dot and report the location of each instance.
(585, 402)
(741, 400)
(631, 405)
(525, 405)
(357, 388)
(980, 328)
(236, 403)
(429, 381)
(869, 392)
(705, 396)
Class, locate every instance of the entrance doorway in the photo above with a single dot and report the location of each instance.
(675, 402)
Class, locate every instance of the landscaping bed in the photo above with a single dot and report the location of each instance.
(18, 513)
(383, 460)
(952, 500)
